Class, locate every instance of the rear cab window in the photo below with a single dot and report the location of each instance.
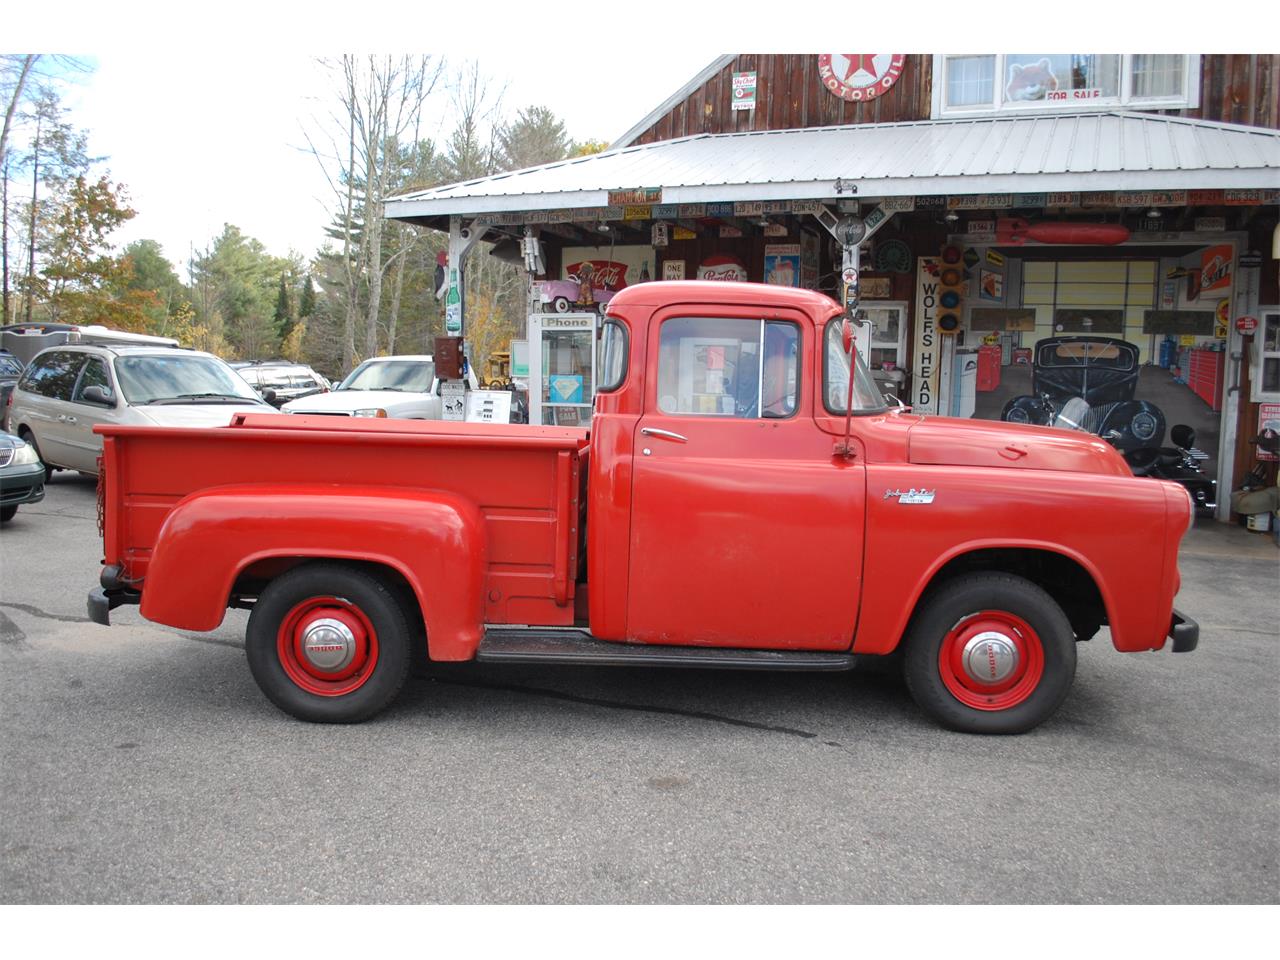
(729, 367)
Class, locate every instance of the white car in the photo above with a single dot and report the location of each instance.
(404, 388)
(66, 391)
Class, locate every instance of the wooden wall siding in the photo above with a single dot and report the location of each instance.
(1234, 88)
(1239, 88)
(789, 94)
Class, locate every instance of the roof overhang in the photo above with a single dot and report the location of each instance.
(1029, 155)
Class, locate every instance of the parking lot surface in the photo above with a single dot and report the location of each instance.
(141, 764)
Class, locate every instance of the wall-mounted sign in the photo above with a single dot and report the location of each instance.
(749, 208)
(927, 355)
(782, 264)
(744, 91)
(893, 256)
(775, 230)
(608, 272)
(980, 226)
(990, 286)
(998, 318)
(1175, 323)
(637, 211)
(683, 233)
(1215, 267)
(729, 233)
(995, 258)
(1091, 320)
(898, 204)
(719, 210)
(860, 76)
(660, 235)
(1247, 324)
(672, 269)
(620, 198)
(722, 268)
(877, 288)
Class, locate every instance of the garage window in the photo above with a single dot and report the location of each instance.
(1266, 346)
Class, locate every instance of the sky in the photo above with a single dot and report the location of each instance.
(203, 113)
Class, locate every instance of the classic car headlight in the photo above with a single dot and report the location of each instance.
(369, 412)
(25, 453)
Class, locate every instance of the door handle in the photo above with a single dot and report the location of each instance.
(665, 434)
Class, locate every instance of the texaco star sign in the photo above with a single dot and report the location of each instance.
(860, 76)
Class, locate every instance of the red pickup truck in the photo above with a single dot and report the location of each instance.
(744, 498)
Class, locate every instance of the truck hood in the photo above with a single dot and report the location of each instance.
(981, 443)
(195, 414)
(397, 403)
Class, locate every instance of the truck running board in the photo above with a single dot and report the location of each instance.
(531, 645)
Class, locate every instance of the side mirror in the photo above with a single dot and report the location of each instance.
(846, 334)
(269, 396)
(98, 394)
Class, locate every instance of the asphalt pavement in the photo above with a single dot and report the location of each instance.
(140, 764)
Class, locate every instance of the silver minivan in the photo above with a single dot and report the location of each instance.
(66, 391)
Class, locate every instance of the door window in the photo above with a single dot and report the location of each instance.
(54, 375)
(717, 366)
(94, 375)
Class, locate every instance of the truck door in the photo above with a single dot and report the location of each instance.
(746, 531)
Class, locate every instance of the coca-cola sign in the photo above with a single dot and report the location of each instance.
(722, 268)
(607, 274)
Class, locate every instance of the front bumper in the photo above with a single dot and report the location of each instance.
(1184, 631)
(22, 484)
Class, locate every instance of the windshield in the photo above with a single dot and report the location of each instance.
(835, 377)
(414, 376)
(146, 379)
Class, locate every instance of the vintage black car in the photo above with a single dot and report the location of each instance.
(1088, 383)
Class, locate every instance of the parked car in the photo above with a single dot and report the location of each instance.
(66, 391)
(278, 381)
(404, 388)
(10, 371)
(562, 295)
(21, 475)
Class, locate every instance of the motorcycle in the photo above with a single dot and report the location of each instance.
(1180, 463)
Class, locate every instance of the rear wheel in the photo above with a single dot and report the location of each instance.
(328, 643)
(990, 653)
(560, 304)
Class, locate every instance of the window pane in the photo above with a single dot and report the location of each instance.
(970, 80)
(1157, 74)
(55, 375)
(1271, 376)
(780, 378)
(1032, 77)
(95, 375)
(710, 367)
(1271, 334)
(835, 377)
(613, 355)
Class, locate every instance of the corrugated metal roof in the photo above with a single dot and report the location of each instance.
(1096, 151)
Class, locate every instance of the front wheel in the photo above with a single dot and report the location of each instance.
(25, 434)
(328, 643)
(7, 513)
(990, 653)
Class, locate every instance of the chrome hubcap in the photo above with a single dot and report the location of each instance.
(329, 645)
(990, 657)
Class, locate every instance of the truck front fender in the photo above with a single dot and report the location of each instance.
(434, 539)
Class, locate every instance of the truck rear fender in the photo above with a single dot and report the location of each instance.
(434, 540)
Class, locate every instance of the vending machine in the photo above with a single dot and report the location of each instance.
(562, 368)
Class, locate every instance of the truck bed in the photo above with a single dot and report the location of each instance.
(524, 479)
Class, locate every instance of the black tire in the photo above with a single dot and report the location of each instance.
(326, 590)
(25, 434)
(8, 513)
(560, 304)
(1029, 628)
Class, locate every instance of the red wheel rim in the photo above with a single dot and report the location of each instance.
(991, 660)
(327, 646)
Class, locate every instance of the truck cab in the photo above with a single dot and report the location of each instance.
(744, 498)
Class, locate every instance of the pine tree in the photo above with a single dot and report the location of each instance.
(283, 315)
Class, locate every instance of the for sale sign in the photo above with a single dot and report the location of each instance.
(744, 91)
